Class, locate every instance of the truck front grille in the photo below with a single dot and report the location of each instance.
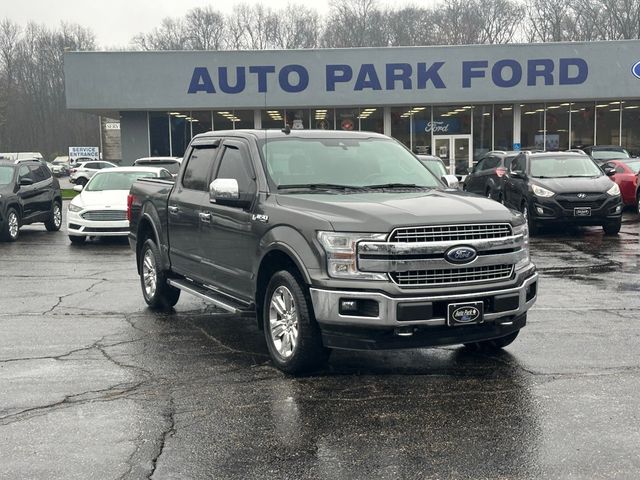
(451, 233)
(415, 278)
(105, 215)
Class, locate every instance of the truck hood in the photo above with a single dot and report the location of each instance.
(575, 185)
(382, 212)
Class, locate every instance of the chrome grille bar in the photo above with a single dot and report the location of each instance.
(451, 233)
(105, 215)
(450, 276)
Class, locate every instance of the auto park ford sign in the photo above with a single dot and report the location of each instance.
(354, 76)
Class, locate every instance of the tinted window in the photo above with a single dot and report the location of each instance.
(37, 173)
(491, 162)
(519, 164)
(6, 175)
(91, 165)
(196, 174)
(480, 165)
(507, 162)
(233, 165)
(563, 167)
(24, 172)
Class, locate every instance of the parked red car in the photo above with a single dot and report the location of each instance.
(626, 176)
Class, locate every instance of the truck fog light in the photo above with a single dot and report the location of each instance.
(348, 306)
(540, 210)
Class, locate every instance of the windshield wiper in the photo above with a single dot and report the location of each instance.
(319, 186)
(395, 185)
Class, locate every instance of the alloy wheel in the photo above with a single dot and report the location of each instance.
(149, 273)
(57, 215)
(14, 225)
(283, 321)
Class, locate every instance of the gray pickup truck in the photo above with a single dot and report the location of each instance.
(332, 240)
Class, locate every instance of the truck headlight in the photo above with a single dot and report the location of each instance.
(524, 231)
(341, 250)
(614, 191)
(74, 208)
(541, 192)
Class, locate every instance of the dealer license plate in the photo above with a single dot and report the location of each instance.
(468, 313)
(582, 212)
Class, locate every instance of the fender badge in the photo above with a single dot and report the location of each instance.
(260, 218)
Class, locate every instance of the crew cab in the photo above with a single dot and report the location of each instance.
(333, 240)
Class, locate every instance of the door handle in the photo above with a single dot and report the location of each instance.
(205, 217)
(173, 209)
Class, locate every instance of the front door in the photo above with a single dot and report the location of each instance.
(455, 152)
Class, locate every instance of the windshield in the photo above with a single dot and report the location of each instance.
(173, 167)
(59, 162)
(610, 154)
(558, 167)
(6, 175)
(436, 167)
(115, 180)
(343, 162)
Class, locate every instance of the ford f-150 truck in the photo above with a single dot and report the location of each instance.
(333, 240)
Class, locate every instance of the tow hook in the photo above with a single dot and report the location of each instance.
(404, 331)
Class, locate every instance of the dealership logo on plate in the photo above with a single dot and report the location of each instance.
(636, 70)
(466, 314)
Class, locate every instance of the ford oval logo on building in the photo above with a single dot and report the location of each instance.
(636, 70)
(461, 254)
(466, 314)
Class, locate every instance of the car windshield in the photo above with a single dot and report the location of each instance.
(343, 163)
(610, 154)
(435, 166)
(173, 167)
(559, 167)
(6, 175)
(634, 165)
(115, 180)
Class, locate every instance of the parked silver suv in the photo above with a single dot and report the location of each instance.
(82, 172)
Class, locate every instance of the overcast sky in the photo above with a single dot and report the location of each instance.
(115, 22)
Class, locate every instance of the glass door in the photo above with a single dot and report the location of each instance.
(455, 152)
(442, 150)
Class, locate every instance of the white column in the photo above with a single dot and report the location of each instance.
(386, 121)
(517, 114)
(257, 119)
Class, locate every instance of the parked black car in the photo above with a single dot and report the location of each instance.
(28, 194)
(559, 187)
(488, 175)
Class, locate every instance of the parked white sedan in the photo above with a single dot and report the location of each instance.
(101, 208)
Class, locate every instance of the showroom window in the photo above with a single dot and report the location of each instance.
(630, 132)
(180, 132)
(371, 119)
(557, 126)
(482, 130)
(323, 118)
(582, 124)
(201, 122)
(272, 118)
(532, 126)
(608, 123)
(159, 134)
(401, 125)
(347, 118)
(451, 120)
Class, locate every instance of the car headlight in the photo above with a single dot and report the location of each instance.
(614, 191)
(541, 192)
(524, 231)
(74, 208)
(341, 250)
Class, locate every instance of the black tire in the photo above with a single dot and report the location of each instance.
(494, 344)
(11, 228)
(54, 222)
(638, 202)
(612, 228)
(531, 223)
(488, 194)
(308, 353)
(160, 295)
(81, 181)
(77, 239)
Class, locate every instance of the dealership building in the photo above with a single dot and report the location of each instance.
(454, 102)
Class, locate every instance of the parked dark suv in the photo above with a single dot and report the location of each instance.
(559, 187)
(488, 175)
(28, 194)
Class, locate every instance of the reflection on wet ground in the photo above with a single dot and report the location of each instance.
(95, 385)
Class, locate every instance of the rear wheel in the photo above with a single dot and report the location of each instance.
(11, 227)
(612, 228)
(494, 344)
(292, 334)
(156, 291)
(54, 222)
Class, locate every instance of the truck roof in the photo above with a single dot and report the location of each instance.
(278, 133)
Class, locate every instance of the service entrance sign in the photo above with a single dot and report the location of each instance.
(87, 153)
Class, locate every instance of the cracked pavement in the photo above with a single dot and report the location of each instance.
(94, 385)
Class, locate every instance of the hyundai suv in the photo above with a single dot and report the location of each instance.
(559, 187)
(488, 175)
(28, 194)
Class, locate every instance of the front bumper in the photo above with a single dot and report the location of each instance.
(560, 209)
(401, 312)
(78, 226)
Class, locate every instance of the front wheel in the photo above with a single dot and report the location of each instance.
(81, 181)
(157, 292)
(528, 216)
(494, 344)
(292, 334)
(54, 222)
(612, 228)
(11, 227)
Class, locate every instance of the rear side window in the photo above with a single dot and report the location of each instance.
(491, 162)
(519, 164)
(24, 172)
(197, 170)
(38, 173)
(91, 165)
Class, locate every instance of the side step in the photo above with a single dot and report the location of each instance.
(219, 300)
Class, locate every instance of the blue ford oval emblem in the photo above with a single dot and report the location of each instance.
(636, 70)
(461, 254)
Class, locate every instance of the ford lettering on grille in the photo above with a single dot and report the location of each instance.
(461, 254)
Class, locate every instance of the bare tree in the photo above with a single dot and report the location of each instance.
(206, 29)
(171, 35)
(550, 21)
(355, 23)
(410, 26)
(500, 20)
(294, 27)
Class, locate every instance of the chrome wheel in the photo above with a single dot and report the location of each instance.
(14, 224)
(149, 274)
(57, 215)
(283, 321)
(489, 194)
(525, 212)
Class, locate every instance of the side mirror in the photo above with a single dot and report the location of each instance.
(517, 174)
(78, 188)
(26, 181)
(609, 172)
(225, 191)
(451, 181)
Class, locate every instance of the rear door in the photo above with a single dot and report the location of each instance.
(473, 179)
(43, 191)
(231, 241)
(27, 193)
(189, 195)
(517, 184)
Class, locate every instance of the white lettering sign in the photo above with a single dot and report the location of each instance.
(91, 153)
(437, 127)
(112, 126)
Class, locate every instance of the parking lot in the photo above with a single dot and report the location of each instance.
(94, 385)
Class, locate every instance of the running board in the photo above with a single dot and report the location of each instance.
(207, 295)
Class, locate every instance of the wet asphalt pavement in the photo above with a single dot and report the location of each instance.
(94, 385)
